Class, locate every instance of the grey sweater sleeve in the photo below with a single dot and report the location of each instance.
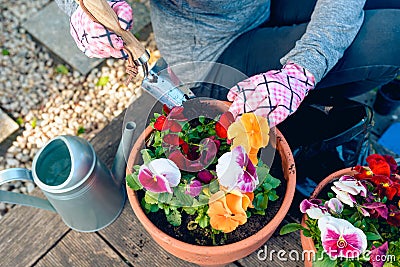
(333, 27)
(68, 6)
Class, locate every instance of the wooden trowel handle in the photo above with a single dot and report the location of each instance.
(105, 15)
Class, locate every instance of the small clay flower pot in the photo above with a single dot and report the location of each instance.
(306, 242)
(224, 254)
(388, 98)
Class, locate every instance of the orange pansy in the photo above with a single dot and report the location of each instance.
(228, 211)
(251, 132)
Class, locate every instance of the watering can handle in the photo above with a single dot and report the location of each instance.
(18, 174)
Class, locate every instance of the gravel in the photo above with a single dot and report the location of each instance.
(47, 100)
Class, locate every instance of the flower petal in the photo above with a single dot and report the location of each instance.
(153, 182)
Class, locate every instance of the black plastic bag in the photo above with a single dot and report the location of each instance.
(327, 137)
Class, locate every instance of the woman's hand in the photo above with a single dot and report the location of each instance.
(94, 39)
(275, 94)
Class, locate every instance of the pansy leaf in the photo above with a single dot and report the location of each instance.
(323, 260)
(183, 199)
(133, 181)
(372, 236)
(272, 181)
(202, 220)
(174, 218)
(262, 172)
(214, 187)
(151, 198)
(272, 195)
(165, 197)
(190, 210)
(261, 201)
(290, 227)
(146, 156)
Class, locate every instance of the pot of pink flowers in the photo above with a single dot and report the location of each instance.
(353, 217)
(205, 177)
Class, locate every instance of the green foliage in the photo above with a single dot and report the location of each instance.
(19, 121)
(103, 81)
(133, 182)
(61, 69)
(81, 130)
(174, 218)
(5, 52)
(290, 227)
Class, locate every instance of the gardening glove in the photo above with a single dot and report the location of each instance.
(94, 39)
(275, 94)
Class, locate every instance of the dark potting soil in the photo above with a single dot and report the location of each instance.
(200, 237)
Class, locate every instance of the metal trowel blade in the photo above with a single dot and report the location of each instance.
(165, 86)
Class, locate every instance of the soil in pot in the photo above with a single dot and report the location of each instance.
(199, 237)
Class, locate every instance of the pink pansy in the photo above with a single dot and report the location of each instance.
(235, 170)
(313, 208)
(347, 188)
(334, 205)
(194, 188)
(377, 258)
(340, 238)
(159, 175)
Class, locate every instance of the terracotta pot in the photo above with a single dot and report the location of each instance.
(306, 242)
(216, 255)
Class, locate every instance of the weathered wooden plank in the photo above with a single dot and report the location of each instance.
(81, 250)
(28, 233)
(128, 236)
(282, 251)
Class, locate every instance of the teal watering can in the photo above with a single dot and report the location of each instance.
(78, 186)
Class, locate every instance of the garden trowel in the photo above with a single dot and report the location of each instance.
(160, 81)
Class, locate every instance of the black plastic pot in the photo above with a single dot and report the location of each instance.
(387, 98)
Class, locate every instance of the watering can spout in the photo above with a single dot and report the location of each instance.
(123, 151)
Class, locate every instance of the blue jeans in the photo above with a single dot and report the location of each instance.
(373, 59)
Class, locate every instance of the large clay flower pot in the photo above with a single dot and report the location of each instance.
(216, 255)
(306, 242)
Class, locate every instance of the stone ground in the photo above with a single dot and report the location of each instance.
(47, 98)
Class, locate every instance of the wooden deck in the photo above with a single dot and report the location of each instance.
(33, 237)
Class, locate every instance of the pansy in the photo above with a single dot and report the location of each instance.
(347, 187)
(377, 258)
(313, 208)
(378, 164)
(235, 170)
(159, 175)
(251, 132)
(375, 210)
(193, 188)
(334, 205)
(228, 211)
(222, 125)
(394, 217)
(340, 238)
(386, 186)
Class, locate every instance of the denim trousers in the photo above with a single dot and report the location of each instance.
(373, 58)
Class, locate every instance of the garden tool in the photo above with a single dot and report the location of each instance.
(160, 81)
(78, 186)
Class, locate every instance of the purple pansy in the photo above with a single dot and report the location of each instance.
(375, 210)
(159, 175)
(194, 188)
(235, 170)
(340, 238)
(205, 176)
(313, 208)
(377, 258)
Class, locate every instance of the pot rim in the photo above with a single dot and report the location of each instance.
(290, 176)
(307, 242)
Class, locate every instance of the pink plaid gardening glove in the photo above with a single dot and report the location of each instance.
(94, 39)
(275, 94)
